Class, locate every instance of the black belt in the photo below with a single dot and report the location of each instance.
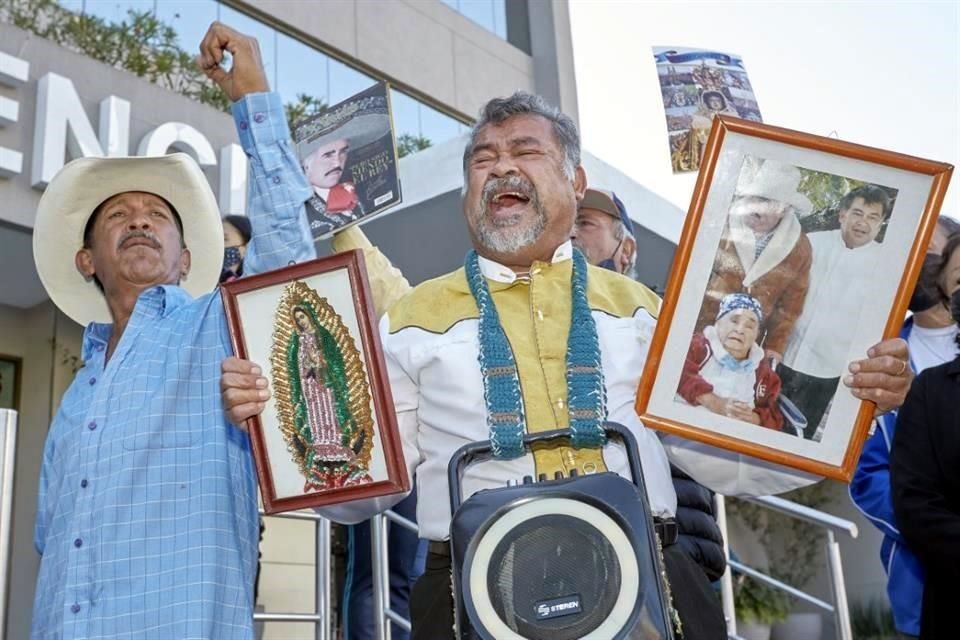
(666, 529)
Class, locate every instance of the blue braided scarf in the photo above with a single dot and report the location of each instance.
(586, 393)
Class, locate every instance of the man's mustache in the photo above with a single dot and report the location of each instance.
(519, 184)
(139, 233)
(334, 170)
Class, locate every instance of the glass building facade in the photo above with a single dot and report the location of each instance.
(294, 67)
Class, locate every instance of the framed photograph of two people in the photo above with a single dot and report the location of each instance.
(798, 253)
(329, 432)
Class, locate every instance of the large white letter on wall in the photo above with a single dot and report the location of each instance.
(115, 126)
(13, 74)
(181, 137)
(62, 127)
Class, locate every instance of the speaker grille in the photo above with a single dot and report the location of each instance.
(552, 568)
(553, 558)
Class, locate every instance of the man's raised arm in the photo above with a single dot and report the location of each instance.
(277, 187)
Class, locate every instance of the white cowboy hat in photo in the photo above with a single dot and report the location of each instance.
(361, 120)
(360, 131)
(82, 185)
(774, 181)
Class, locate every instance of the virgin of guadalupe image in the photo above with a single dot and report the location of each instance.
(323, 398)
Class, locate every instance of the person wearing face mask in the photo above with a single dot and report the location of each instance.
(931, 334)
(925, 470)
(930, 331)
(604, 232)
(236, 236)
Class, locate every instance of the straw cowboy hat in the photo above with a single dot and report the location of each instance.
(79, 188)
(774, 181)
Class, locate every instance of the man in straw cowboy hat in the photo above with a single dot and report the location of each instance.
(324, 143)
(763, 252)
(147, 511)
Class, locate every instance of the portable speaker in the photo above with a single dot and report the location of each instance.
(560, 559)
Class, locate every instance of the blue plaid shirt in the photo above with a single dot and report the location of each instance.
(147, 513)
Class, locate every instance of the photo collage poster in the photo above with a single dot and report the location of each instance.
(697, 85)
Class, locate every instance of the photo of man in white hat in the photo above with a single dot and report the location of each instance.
(763, 252)
(324, 144)
(147, 516)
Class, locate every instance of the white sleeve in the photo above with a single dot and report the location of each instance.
(405, 399)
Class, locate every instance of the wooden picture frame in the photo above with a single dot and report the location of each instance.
(11, 372)
(328, 434)
(848, 300)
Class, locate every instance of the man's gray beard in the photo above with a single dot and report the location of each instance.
(508, 239)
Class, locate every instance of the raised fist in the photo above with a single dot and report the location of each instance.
(246, 74)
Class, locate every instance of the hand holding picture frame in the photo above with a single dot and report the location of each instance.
(328, 434)
(798, 253)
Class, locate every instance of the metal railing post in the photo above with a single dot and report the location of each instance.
(381, 575)
(8, 451)
(726, 580)
(394, 519)
(322, 581)
(380, 561)
(842, 612)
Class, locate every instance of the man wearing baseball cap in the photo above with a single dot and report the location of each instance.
(604, 232)
(147, 510)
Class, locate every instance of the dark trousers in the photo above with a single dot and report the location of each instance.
(811, 394)
(696, 602)
(406, 554)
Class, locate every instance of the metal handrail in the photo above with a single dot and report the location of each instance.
(8, 450)
(805, 513)
(831, 524)
(783, 586)
(321, 617)
(380, 562)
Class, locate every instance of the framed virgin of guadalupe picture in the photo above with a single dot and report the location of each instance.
(797, 255)
(328, 433)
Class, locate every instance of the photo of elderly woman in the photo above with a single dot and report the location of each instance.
(726, 372)
(802, 245)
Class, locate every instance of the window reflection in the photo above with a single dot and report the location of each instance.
(189, 18)
(113, 11)
(480, 11)
(406, 117)
(437, 126)
(301, 70)
(345, 81)
(489, 14)
(265, 35)
(293, 67)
